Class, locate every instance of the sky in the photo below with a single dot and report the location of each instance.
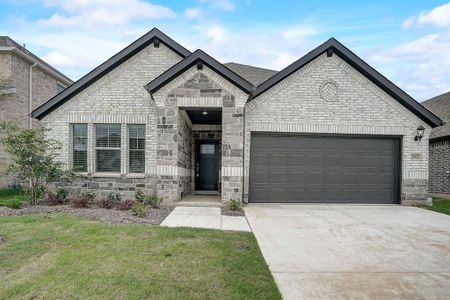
(407, 41)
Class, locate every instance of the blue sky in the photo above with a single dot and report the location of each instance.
(407, 41)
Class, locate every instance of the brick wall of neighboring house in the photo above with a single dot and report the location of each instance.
(354, 105)
(439, 166)
(14, 106)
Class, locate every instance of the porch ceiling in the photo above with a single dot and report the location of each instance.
(205, 115)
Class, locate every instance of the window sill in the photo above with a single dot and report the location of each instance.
(135, 175)
(98, 174)
(116, 175)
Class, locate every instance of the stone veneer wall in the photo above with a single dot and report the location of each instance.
(14, 106)
(439, 166)
(119, 97)
(185, 162)
(205, 88)
(329, 96)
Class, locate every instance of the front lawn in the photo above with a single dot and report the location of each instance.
(11, 198)
(439, 205)
(59, 256)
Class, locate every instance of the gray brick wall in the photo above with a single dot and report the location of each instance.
(14, 106)
(352, 105)
(439, 166)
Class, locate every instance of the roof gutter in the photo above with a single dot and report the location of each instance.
(30, 94)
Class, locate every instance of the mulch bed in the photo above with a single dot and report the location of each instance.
(107, 216)
(226, 211)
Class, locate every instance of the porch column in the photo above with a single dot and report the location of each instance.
(167, 148)
(232, 152)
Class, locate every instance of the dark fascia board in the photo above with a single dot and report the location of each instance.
(362, 67)
(191, 60)
(106, 67)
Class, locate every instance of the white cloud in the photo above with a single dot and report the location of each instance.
(216, 33)
(298, 32)
(96, 13)
(55, 58)
(438, 16)
(192, 13)
(421, 66)
(225, 5)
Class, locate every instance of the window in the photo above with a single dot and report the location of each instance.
(79, 146)
(59, 87)
(136, 135)
(107, 147)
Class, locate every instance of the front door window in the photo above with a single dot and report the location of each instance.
(207, 166)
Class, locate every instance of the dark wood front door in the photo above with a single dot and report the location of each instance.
(207, 166)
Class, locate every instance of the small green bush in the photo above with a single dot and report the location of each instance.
(14, 203)
(92, 197)
(234, 204)
(62, 195)
(111, 200)
(139, 210)
(140, 195)
(153, 201)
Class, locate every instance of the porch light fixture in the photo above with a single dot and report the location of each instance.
(420, 132)
(204, 113)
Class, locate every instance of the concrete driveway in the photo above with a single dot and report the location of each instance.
(354, 251)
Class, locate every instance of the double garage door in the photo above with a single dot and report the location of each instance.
(324, 169)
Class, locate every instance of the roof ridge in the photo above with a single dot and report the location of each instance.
(246, 65)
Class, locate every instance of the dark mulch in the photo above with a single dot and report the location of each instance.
(226, 211)
(107, 216)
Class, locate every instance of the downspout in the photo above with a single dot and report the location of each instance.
(30, 93)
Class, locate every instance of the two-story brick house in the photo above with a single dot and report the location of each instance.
(26, 81)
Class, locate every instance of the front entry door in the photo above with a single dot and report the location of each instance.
(207, 166)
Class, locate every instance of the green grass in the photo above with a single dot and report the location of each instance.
(60, 257)
(440, 205)
(11, 198)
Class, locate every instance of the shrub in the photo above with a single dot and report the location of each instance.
(110, 201)
(14, 203)
(62, 195)
(126, 204)
(32, 159)
(81, 201)
(92, 197)
(140, 195)
(152, 200)
(52, 199)
(139, 210)
(234, 204)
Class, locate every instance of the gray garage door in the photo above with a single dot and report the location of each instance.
(319, 169)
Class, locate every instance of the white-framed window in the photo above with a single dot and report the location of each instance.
(107, 148)
(136, 148)
(79, 147)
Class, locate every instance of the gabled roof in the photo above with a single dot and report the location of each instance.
(440, 106)
(106, 67)
(332, 46)
(199, 57)
(8, 44)
(254, 75)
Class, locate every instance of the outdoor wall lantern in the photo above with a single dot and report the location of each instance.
(420, 132)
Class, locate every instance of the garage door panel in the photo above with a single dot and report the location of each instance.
(311, 169)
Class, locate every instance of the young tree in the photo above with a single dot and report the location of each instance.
(33, 159)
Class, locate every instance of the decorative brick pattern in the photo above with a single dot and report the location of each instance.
(440, 166)
(295, 105)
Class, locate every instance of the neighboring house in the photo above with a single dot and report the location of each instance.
(328, 128)
(26, 81)
(440, 145)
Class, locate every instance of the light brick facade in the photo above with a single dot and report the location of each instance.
(325, 96)
(14, 102)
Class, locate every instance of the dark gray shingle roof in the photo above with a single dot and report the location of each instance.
(440, 106)
(252, 74)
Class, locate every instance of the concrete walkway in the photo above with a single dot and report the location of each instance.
(354, 251)
(204, 217)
